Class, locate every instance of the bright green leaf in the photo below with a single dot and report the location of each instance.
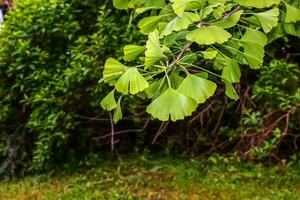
(199, 89)
(258, 3)
(253, 42)
(172, 105)
(180, 23)
(113, 69)
(230, 91)
(209, 54)
(231, 72)
(131, 81)
(292, 14)
(208, 35)
(268, 19)
(149, 24)
(179, 6)
(109, 103)
(131, 52)
(230, 21)
(118, 115)
(121, 4)
(154, 52)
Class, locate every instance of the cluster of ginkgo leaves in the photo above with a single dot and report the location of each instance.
(193, 45)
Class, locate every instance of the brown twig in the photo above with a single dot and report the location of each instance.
(161, 129)
(237, 8)
(112, 141)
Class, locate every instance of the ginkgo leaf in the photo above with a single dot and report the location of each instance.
(230, 91)
(230, 21)
(172, 105)
(154, 52)
(180, 23)
(232, 72)
(209, 54)
(132, 51)
(131, 81)
(216, 2)
(149, 5)
(149, 24)
(156, 88)
(109, 103)
(253, 42)
(118, 115)
(113, 69)
(258, 3)
(120, 4)
(199, 89)
(268, 19)
(219, 11)
(292, 14)
(179, 6)
(208, 35)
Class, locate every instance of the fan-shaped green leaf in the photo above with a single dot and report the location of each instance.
(149, 24)
(118, 115)
(145, 5)
(230, 91)
(121, 4)
(216, 2)
(232, 72)
(154, 52)
(179, 6)
(268, 19)
(172, 105)
(292, 14)
(230, 21)
(109, 103)
(131, 81)
(113, 69)
(180, 23)
(199, 89)
(253, 42)
(132, 51)
(258, 3)
(208, 35)
(209, 54)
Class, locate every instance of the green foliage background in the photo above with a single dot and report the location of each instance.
(51, 58)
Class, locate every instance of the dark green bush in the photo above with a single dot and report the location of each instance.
(51, 59)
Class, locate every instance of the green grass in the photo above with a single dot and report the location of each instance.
(160, 179)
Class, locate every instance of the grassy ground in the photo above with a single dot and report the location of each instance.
(168, 179)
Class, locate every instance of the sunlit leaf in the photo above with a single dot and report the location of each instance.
(113, 69)
(209, 54)
(253, 42)
(231, 72)
(180, 23)
(258, 3)
(230, 21)
(268, 19)
(292, 14)
(120, 4)
(118, 115)
(199, 89)
(154, 52)
(208, 35)
(179, 6)
(230, 91)
(149, 24)
(149, 5)
(131, 81)
(109, 103)
(131, 52)
(172, 105)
